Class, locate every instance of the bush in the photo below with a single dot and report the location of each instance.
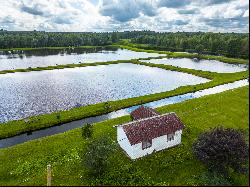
(221, 149)
(87, 131)
(214, 179)
(96, 155)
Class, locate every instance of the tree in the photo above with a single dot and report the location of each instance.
(199, 48)
(87, 131)
(96, 156)
(221, 149)
(114, 37)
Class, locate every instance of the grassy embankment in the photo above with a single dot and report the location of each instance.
(141, 48)
(129, 46)
(63, 66)
(16, 127)
(25, 164)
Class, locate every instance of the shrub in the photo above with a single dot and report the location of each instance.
(96, 155)
(214, 179)
(87, 131)
(221, 149)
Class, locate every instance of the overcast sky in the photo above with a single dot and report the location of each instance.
(119, 15)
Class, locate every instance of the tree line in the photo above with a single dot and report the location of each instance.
(227, 44)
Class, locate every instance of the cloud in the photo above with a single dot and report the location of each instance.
(212, 2)
(173, 3)
(246, 13)
(179, 22)
(62, 19)
(189, 11)
(109, 15)
(32, 10)
(120, 13)
(226, 23)
(7, 20)
(123, 11)
(36, 9)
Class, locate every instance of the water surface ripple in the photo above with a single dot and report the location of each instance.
(205, 65)
(75, 124)
(48, 57)
(33, 93)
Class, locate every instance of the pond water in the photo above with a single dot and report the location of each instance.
(53, 57)
(205, 65)
(76, 124)
(32, 93)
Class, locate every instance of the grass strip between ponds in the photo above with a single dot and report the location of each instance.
(64, 66)
(137, 48)
(25, 164)
(167, 55)
(33, 123)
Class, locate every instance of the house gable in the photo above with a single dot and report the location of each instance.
(143, 112)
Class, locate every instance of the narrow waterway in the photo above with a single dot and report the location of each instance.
(75, 124)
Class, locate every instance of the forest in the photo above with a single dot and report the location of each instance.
(227, 44)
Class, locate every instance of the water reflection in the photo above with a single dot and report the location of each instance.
(47, 57)
(48, 52)
(205, 65)
(33, 93)
(75, 124)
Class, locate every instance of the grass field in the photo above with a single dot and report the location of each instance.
(25, 164)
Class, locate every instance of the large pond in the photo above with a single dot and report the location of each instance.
(75, 124)
(51, 57)
(32, 93)
(205, 65)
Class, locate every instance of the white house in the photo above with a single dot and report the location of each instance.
(149, 132)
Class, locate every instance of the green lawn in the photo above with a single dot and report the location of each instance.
(25, 164)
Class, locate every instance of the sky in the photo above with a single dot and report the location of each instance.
(120, 15)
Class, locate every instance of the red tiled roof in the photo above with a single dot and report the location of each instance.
(153, 127)
(143, 112)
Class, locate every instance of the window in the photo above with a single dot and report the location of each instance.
(146, 144)
(170, 136)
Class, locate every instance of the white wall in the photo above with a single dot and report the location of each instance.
(123, 141)
(136, 151)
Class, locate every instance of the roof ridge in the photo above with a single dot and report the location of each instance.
(143, 119)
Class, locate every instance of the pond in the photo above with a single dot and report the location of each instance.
(75, 124)
(205, 65)
(52, 57)
(32, 93)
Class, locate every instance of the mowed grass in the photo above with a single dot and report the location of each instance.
(25, 164)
